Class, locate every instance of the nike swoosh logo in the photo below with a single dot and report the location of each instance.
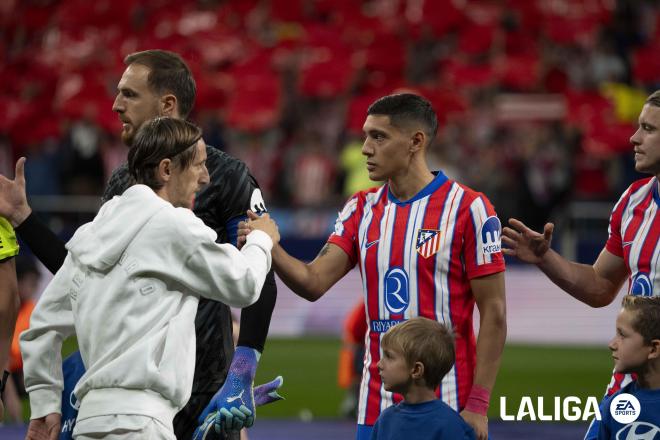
(371, 244)
(626, 243)
(231, 399)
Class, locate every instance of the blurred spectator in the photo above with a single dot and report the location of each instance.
(271, 72)
(354, 167)
(313, 170)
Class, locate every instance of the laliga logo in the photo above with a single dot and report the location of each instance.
(396, 290)
(491, 232)
(641, 285)
(568, 408)
(625, 408)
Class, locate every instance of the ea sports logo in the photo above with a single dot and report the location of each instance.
(396, 290)
(625, 408)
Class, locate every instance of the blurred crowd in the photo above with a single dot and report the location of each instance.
(536, 98)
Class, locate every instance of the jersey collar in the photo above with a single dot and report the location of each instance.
(436, 183)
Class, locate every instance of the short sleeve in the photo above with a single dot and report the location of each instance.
(345, 234)
(614, 241)
(482, 243)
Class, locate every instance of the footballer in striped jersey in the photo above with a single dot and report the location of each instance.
(425, 246)
(632, 251)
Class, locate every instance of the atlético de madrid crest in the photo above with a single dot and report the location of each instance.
(428, 242)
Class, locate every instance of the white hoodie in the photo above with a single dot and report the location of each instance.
(129, 288)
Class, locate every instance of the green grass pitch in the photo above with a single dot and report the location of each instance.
(309, 367)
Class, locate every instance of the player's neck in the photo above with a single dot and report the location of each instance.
(419, 394)
(650, 378)
(411, 181)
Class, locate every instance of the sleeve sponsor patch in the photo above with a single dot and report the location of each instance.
(490, 236)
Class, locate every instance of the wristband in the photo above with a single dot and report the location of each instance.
(478, 400)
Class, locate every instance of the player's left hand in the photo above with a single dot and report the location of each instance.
(236, 396)
(478, 422)
(263, 395)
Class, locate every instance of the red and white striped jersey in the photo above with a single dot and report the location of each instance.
(634, 235)
(417, 259)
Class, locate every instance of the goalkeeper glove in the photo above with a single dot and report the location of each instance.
(236, 392)
(263, 395)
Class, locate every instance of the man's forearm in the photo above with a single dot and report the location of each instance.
(255, 319)
(45, 245)
(490, 344)
(295, 274)
(581, 281)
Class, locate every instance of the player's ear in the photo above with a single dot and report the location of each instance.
(655, 349)
(417, 142)
(165, 170)
(417, 370)
(168, 106)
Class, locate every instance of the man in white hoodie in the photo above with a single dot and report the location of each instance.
(129, 289)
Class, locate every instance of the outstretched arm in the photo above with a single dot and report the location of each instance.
(312, 280)
(596, 285)
(47, 246)
(307, 280)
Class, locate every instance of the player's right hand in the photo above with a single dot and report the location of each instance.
(264, 223)
(44, 428)
(13, 201)
(242, 231)
(527, 245)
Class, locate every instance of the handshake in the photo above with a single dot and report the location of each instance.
(257, 222)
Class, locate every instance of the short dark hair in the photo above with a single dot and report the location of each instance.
(654, 99)
(159, 139)
(647, 315)
(168, 74)
(405, 108)
(426, 341)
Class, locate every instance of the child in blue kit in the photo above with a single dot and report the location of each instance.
(416, 356)
(634, 411)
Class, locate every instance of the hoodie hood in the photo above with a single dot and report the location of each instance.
(101, 243)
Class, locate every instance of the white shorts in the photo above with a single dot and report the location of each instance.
(121, 427)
